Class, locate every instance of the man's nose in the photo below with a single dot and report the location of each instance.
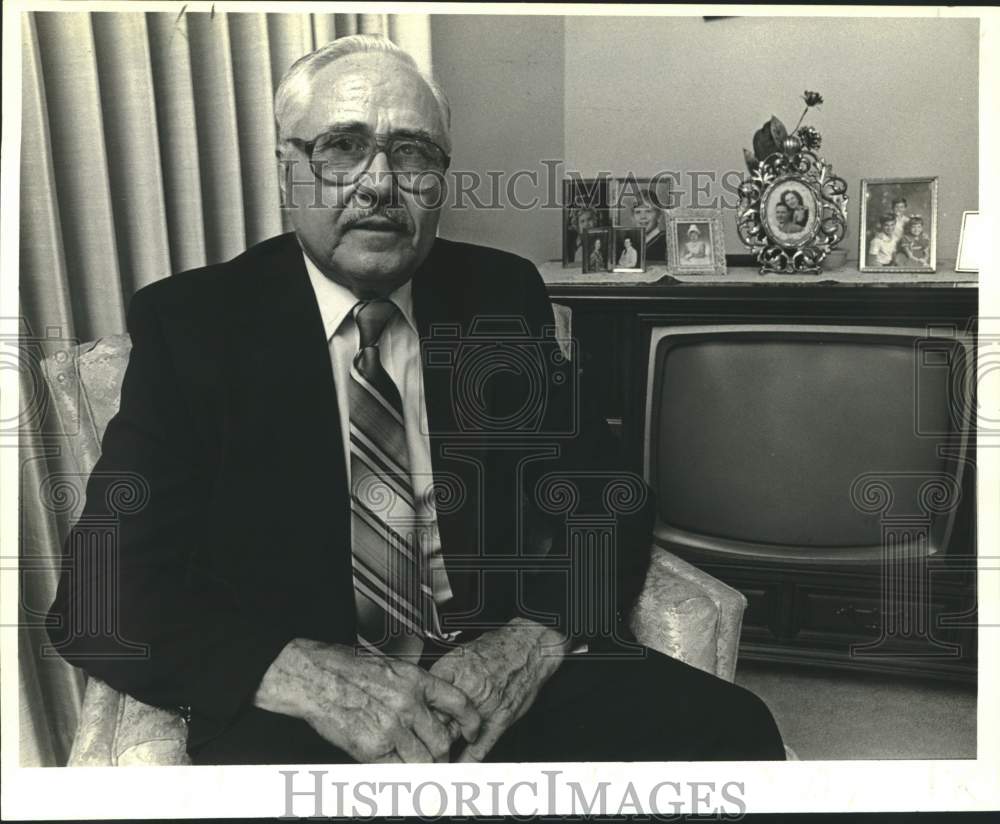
(377, 180)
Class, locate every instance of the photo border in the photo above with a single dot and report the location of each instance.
(714, 218)
(621, 187)
(606, 232)
(961, 242)
(863, 223)
(641, 248)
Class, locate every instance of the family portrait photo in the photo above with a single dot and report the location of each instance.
(898, 225)
(643, 202)
(790, 212)
(586, 205)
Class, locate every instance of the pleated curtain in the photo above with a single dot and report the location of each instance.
(147, 148)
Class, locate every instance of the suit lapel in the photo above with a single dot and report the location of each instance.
(443, 319)
(295, 423)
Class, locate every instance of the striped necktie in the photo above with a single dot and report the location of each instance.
(394, 602)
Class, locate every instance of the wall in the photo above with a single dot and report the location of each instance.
(688, 94)
(644, 94)
(504, 78)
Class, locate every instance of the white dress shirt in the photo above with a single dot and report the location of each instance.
(399, 349)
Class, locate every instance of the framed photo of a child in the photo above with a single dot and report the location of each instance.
(644, 202)
(586, 206)
(898, 231)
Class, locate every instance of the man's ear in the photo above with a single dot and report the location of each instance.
(284, 170)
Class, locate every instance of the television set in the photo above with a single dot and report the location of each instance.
(776, 441)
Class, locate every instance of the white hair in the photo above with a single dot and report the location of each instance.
(296, 86)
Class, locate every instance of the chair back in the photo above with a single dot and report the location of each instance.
(85, 384)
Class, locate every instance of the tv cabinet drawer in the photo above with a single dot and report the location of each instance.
(761, 605)
(862, 614)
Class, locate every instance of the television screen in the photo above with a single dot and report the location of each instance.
(757, 435)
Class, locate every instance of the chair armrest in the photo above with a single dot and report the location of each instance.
(687, 614)
(116, 730)
(95, 732)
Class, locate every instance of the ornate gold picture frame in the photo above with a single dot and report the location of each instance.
(792, 212)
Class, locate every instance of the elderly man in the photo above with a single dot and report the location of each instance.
(347, 549)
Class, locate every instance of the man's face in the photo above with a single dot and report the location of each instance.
(899, 208)
(646, 216)
(781, 213)
(888, 226)
(370, 234)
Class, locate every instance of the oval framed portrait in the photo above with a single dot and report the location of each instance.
(790, 212)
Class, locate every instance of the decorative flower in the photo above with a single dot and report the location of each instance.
(811, 139)
(773, 138)
(812, 99)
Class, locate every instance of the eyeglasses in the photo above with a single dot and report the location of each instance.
(341, 158)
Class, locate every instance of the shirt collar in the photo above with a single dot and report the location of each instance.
(336, 301)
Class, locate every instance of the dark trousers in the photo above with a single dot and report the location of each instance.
(649, 708)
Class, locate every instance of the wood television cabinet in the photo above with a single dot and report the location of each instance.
(835, 616)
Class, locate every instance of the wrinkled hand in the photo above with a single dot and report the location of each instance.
(373, 708)
(501, 672)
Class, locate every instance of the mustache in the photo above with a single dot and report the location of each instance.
(400, 217)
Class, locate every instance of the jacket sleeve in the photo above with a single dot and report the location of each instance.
(164, 633)
(606, 494)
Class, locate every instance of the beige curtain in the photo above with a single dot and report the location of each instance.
(147, 148)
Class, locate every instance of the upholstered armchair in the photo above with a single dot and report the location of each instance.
(681, 612)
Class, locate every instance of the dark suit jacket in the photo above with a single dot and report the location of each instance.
(229, 412)
(656, 250)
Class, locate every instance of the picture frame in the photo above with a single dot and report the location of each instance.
(644, 202)
(792, 212)
(628, 244)
(695, 242)
(586, 205)
(596, 246)
(970, 251)
(897, 230)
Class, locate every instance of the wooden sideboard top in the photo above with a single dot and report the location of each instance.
(556, 275)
